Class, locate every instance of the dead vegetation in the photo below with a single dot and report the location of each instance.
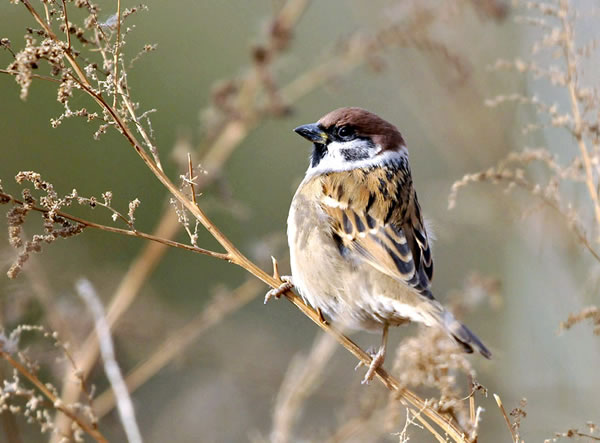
(86, 59)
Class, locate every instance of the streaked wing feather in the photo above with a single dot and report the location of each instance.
(395, 244)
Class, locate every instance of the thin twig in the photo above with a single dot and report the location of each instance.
(582, 434)
(128, 232)
(191, 178)
(67, 30)
(506, 419)
(41, 77)
(95, 433)
(116, 57)
(126, 412)
(427, 426)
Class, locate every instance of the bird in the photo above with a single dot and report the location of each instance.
(360, 252)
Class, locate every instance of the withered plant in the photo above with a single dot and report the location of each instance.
(86, 61)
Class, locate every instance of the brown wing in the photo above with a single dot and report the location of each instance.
(383, 227)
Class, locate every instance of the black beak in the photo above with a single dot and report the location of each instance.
(312, 132)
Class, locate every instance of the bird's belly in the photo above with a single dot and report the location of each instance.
(343, 287)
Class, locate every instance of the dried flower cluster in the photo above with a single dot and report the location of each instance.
(55, 224)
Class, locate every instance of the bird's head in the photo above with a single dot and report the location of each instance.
(350, 138)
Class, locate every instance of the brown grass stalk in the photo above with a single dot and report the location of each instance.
(509, 425)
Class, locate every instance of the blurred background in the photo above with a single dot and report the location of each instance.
(431, 80)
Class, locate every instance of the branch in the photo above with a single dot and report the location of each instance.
(5, 198)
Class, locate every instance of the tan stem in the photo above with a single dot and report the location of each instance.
(95, 433)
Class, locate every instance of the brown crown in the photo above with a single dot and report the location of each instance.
(366, 124)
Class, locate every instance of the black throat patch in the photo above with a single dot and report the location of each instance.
(318, 152)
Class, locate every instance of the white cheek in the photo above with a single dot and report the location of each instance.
(336, 148)
(334, 161)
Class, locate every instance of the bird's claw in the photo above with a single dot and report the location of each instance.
(372, 351)
(376, 362)
(286, 285)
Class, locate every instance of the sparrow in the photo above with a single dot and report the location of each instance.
(359, 250)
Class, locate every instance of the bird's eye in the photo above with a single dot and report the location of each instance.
(345, 132)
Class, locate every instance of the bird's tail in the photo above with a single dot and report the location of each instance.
(463, 335)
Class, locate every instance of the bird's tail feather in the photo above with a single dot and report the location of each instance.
(463, 335)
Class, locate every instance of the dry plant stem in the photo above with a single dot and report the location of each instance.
(53, 36)
(582, 434)
(191, 178)
(94, 433)
(111, 367)
(179, 340)
(506, 419)
(41, 77)
(116, 58)
(427, 426)
(128, 232)
(570, 57)
(472, 412)
(67, 31)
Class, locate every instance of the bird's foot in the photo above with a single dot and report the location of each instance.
(286, 285)
(377, 360)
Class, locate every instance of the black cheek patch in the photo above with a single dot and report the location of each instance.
(354, 154)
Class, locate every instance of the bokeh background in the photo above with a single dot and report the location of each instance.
(223, 386)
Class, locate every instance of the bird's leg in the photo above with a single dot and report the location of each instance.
(378, 359)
